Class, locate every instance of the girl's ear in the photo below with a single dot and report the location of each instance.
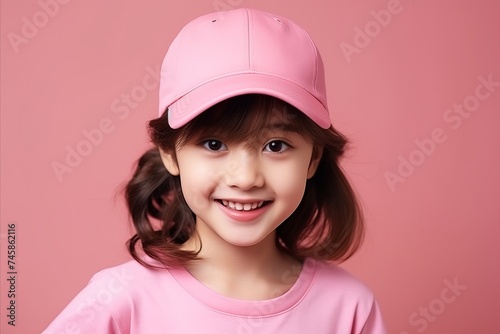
(315, 159)
(169, 162)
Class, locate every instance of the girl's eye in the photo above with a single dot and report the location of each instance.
(214, 145)
(276, 146)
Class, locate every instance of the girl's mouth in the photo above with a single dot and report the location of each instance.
(242, 206)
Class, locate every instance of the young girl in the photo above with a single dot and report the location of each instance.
(241, 207)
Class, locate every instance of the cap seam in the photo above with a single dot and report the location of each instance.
(248, 38)
(315, 50)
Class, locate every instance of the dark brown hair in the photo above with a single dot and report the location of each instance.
(327, 224)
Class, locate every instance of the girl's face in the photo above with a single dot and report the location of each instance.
(241, 191)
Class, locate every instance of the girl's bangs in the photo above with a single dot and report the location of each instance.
(243, 117)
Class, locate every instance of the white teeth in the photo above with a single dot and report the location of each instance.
(242, 206)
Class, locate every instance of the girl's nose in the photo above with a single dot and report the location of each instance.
(244, 172)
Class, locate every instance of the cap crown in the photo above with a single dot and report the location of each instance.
(239, 43)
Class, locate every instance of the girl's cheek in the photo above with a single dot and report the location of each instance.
(198, 187)
(289, 173)
(196, 184)
(290, 182)
(197, 195)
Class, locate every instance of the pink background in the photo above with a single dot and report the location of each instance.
(66, 76)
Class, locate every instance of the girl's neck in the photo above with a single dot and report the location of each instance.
(254, 272)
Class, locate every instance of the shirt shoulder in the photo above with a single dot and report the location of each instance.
(345, 298)
(110, 300)
(331, 276)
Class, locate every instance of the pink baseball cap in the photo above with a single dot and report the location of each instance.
(241, 51)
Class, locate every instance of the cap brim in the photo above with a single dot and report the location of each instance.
(201, 98)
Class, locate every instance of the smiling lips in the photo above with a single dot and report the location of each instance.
(243, 211)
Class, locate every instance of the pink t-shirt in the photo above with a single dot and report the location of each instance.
(130, 298)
